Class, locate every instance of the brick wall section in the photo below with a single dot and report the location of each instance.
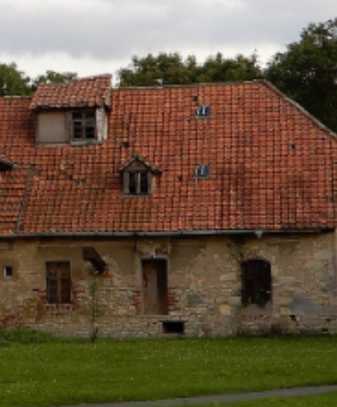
(203, 279)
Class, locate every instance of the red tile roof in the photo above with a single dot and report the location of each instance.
(271, 166)
(94, 91)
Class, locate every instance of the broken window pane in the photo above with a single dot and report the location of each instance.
(256, 282)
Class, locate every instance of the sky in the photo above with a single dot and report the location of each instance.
(101, 36)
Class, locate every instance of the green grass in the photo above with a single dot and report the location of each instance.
(327, 400)
(41, 371)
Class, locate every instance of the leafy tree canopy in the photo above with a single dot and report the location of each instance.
(13, 81)
(307, 71)
(54, 77)
(173, 69)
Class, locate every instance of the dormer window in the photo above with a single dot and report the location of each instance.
(203, 111)
(137, 182)
(83, 125)
(137, 177)
(73, 113)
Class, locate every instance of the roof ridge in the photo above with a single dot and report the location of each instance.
(86, 78)
(15, 97)
(188, 85)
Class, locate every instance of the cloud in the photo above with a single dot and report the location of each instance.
(114, 30)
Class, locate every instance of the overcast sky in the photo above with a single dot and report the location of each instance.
(100, 36)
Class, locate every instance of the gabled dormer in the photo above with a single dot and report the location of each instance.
(75, 113)
(138, 176)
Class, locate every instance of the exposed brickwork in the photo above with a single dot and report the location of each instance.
(203, 280)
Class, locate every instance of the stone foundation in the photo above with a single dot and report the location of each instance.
(204, 286)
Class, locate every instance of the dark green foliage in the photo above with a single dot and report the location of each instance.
(54, 77)
(173, 69)
(307, 71)
(13, 81)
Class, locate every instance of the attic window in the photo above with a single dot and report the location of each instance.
(203, 111)
(137, 176)
(83, 125)
(202, 171)
(137, 182)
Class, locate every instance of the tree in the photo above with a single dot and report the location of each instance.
(173, 69)
(220, 69)
(307, 71)
(54, 77)
(13, 81)
(151, 70)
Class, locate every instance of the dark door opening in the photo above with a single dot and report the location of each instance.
(256, 282)
(155, 293)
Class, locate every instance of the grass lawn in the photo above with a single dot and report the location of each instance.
(37, 371)
(328, 400)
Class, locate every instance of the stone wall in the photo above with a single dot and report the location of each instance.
(204, 285)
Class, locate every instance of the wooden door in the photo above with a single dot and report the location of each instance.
(155, 286)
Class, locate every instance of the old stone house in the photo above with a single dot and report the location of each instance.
(197, 210)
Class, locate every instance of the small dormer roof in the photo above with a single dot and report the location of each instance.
(136, 158)
(91, 92)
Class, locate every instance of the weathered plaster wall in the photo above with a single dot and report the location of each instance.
(203, 279)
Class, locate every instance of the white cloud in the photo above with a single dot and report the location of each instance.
(102, 35)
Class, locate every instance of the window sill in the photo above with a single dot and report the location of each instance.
(59, 308)
(137, 196)
(79, 143)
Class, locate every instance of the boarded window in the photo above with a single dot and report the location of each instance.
(155, 291)
(52, 128)
(256, 282)
(83, 124)
(58, 283)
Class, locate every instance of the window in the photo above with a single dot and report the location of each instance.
(256, 282)
(203, 111)
(137, 182)
(202, 171)
(8, 272)
(58, 283)
(83, 125)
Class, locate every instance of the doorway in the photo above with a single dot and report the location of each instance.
(154, 281)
